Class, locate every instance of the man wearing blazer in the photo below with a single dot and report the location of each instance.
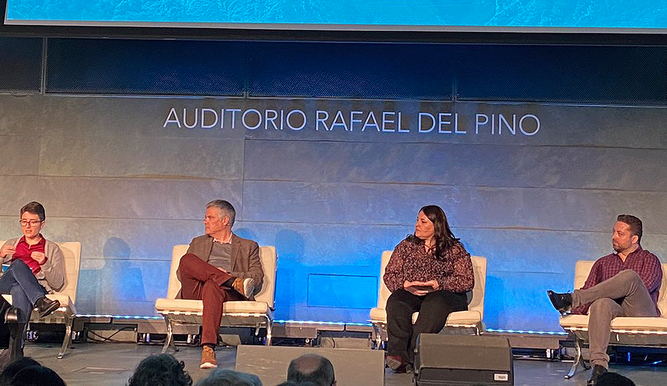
(218, 266)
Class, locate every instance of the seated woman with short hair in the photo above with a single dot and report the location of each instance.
(429, 272)
(35, 268)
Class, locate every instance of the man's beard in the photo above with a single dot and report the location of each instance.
(620, 249)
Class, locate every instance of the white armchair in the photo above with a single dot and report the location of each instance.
(625, 331)
(472, 318)
(257, 313)
(67, 296)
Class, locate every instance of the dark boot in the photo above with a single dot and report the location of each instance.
(46, 306)
(562, 302)
(597, 371)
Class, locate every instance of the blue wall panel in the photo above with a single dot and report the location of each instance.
(348, 70)
(344, 291)
(163, 67)
(563, 73)
(20, 65)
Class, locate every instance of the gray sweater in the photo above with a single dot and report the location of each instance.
(52, 274)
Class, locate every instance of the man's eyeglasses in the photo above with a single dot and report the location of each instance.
(31, 222)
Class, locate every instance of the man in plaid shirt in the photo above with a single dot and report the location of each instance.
(624, 283)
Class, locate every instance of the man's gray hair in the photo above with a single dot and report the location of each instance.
(226, 209)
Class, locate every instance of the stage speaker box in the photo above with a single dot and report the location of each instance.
(352, 367)
(463, 360)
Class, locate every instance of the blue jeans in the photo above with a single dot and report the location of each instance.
(21, 283)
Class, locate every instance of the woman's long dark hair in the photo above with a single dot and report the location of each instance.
(444, 238)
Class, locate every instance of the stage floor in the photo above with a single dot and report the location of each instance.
(111, 364)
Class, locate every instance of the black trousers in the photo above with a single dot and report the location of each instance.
(433, 311)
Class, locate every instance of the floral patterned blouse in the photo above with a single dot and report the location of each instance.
(410, 261)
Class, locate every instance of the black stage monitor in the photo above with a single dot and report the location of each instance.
(463, 360)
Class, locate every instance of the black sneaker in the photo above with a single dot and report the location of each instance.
(561, 302)
(597, 371)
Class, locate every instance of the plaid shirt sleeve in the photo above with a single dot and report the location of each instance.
(650, 272)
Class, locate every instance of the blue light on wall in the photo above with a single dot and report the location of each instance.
(348, 291)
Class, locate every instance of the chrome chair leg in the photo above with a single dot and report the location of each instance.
(69, 320)
(169, 342)
(577, 359)
(269, 332)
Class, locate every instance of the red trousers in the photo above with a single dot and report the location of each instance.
(202, 281)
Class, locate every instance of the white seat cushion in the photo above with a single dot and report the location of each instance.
(621, 323)
(464, 318)
(379, 315)
(574, 321)
(470, 318)
(166, 306)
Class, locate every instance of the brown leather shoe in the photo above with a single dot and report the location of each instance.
(46, 306)
(244, 286)
(396, 363)
(208, 360)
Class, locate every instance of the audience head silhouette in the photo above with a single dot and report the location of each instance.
(160, 370)
(14, 367)
(224, 377)
(28, 372)
(311, 368)
(613, 379)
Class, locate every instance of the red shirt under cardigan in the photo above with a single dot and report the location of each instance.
(25, 250)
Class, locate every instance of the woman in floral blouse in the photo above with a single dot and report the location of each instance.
(430, 272)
